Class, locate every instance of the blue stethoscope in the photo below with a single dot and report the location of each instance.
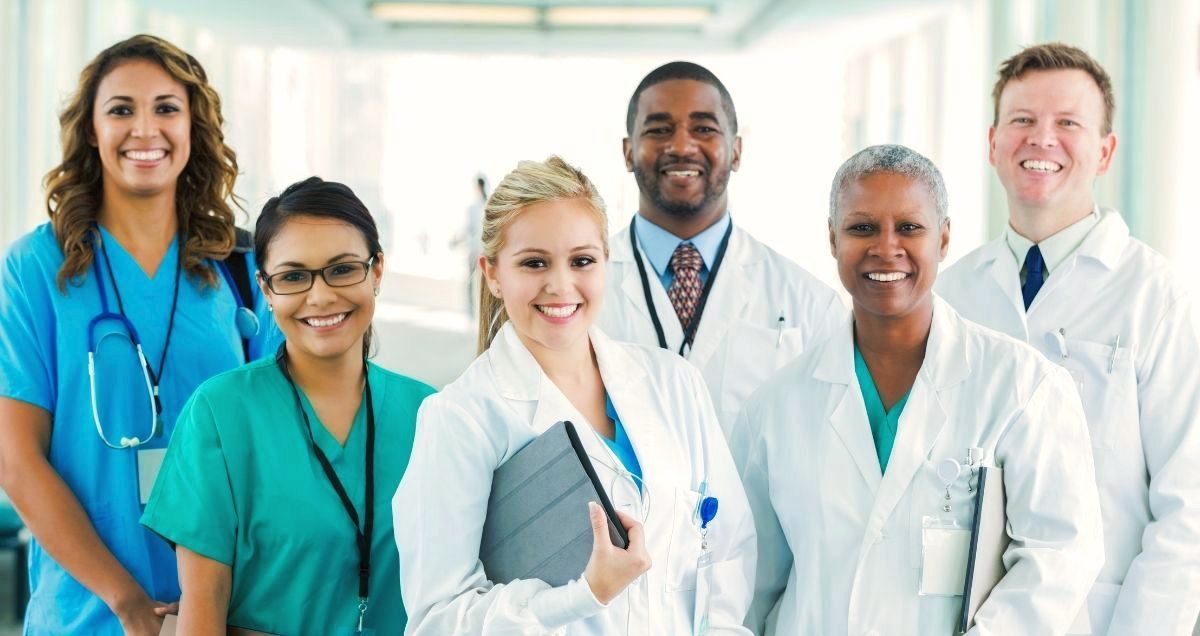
(244, 319)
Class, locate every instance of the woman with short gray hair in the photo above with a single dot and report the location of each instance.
(855, 456)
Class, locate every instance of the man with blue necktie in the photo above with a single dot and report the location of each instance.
(1067, 278)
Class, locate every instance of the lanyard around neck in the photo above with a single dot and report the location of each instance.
(363, 534)
(690, 332)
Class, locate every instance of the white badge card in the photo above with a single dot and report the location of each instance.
(149, 461)
(704, 573)
(944, 550)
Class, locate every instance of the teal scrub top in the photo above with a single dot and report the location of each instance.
(44, 362)
(884, 423)
(241, 485)
(620, 444)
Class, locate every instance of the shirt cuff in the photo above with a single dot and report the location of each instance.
(559, 606)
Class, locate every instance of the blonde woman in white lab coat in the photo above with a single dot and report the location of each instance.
(840, 451)
(645, 420)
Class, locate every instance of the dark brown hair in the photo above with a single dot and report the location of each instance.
(74, 188)
(1050, 57)
(315, 197)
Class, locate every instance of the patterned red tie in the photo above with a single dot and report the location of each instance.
(685, 288)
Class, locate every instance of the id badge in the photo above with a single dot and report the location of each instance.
(704, 572)
(944, 550)
(149, 461)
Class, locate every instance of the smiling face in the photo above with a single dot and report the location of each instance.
(1047, 145)
(324, 322)
(888, 243)
(682, 150)
(550, 273)
(141, 128)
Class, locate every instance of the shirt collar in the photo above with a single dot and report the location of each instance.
(659, 244)
(1056, 248)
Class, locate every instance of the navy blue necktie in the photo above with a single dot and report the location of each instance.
(1035, 267)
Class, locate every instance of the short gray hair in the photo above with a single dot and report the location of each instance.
(891, 159)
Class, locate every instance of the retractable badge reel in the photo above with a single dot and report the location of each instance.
(707, 512)
(944, 543)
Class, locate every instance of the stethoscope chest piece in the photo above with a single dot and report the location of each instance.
(247, 322)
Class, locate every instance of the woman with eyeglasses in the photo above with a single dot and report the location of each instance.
(111, 315)
(277, 487)
(643, 416)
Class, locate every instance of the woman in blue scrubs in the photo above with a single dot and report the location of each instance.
(277, 488)
(131, 260)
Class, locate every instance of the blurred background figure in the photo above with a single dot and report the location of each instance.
(468, 241)
(406, 102)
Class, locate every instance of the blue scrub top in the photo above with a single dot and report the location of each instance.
(620, 445)
(43, 361)
(885, 424)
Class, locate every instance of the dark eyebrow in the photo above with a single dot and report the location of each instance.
(295, 265)
(703, 114)
(126, 98)
(657, 117)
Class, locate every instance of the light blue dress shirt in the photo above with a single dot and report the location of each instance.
(658, 245)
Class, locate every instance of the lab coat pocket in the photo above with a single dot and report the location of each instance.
(1107, 382)
(684, 550)
(755, 353)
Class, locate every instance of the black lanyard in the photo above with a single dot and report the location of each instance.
(363, 535)
(155, 376)
(690, 332)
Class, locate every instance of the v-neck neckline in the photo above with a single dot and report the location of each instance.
(125, 261)
(323, 438)
(872, 397)
(321, 435)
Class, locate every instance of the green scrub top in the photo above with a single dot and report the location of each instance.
(884, 423)
(241, 485)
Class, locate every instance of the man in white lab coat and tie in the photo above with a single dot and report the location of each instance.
(1067, 277)
(683, 276)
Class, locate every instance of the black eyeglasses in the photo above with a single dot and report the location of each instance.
(297, 281)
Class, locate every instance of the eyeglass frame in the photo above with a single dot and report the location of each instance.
(313, 273)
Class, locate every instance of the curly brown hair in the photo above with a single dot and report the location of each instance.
(203, 193)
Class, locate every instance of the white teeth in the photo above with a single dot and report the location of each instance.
(558, 312)
(683, 173)
(325, 322)
(146, 155)
(1041, 166)
(888, 277)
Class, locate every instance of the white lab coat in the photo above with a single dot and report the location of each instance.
(502, 402)
(1143, 407)
(840, 544)
(740, 342)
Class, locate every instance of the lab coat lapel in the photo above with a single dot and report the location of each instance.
(849, 417)
(1005, 273)
(1102, 245)
(631, 395)
(730, 293)
(520, 379)
(631, 285)
(924, 417)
